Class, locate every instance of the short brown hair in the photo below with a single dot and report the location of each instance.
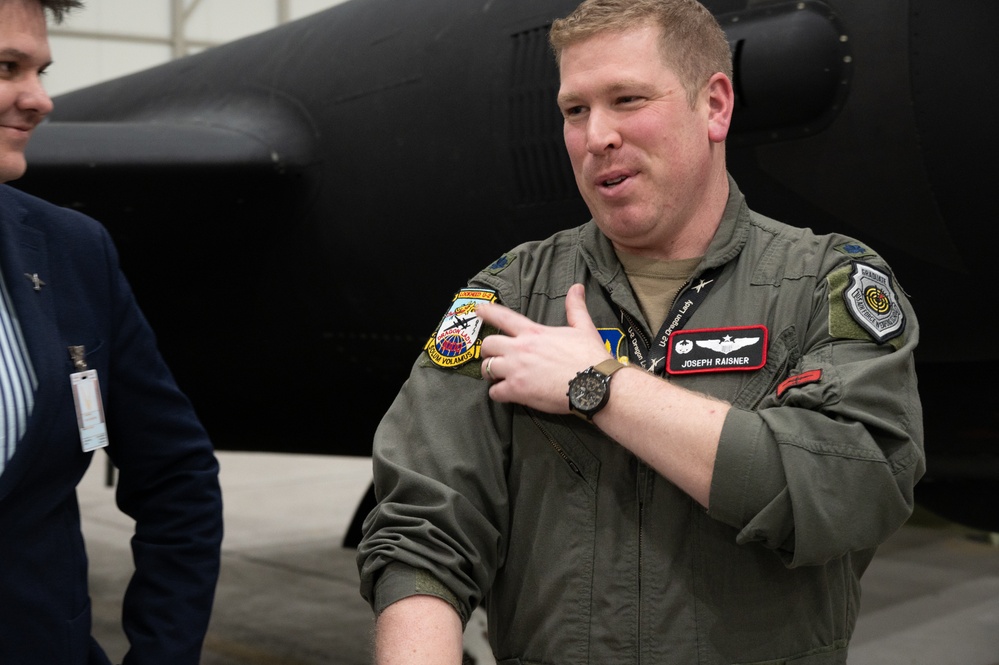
(693, 45)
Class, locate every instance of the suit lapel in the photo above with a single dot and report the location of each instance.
(23, 251)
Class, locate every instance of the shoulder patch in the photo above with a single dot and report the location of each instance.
(867, 296)
(457, 339)
(854, 249)
(501, 264)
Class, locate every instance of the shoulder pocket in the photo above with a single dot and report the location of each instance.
(781, 356)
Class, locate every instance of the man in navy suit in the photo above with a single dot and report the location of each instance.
(79, 370)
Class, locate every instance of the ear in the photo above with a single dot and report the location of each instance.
(721, 102)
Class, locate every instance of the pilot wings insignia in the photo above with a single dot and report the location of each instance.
(726, 344)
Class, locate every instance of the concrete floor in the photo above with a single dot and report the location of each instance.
(288, 591)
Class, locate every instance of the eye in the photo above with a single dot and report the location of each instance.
(573, 111)
(625, 100)
(8, 67)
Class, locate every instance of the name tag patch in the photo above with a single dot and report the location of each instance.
(717, 350)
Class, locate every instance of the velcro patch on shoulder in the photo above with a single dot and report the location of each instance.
(863, 304)
(458, 338)
(854, 250)
(501, 264)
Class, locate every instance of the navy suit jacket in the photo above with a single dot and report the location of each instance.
(168, 474)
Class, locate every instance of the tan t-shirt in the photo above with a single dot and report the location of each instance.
(656, 283)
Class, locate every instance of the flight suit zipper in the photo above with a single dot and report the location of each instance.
(643, 484)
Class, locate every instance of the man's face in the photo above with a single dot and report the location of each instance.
(24, 55)
(640, 154)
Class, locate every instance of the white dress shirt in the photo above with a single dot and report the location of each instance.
(18, 381)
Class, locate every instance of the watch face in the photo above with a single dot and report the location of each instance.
(587, 391)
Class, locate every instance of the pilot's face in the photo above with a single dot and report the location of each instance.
(641, 155)
(24, 55)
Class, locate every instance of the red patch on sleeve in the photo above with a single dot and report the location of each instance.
(810, 376)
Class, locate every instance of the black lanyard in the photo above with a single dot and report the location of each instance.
(653, 356)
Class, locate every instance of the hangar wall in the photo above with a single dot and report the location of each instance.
(111, 38)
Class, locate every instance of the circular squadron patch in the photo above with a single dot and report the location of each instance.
(871, 301)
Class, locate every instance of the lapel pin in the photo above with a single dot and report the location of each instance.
(36, 280)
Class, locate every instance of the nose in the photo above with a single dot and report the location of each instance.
(32, 97)
(601, 132)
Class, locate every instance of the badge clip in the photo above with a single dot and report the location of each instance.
(87, 399)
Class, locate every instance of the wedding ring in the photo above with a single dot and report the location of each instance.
(489, 368)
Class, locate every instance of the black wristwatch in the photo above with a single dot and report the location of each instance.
(590, 389)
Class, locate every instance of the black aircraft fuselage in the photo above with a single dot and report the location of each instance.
(296, 209)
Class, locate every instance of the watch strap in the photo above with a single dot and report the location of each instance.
(609, 366)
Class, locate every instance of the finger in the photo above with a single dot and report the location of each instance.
(503, 318)
(576, 312)
(487, 369)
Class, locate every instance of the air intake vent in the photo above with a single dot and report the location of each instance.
(542, 172)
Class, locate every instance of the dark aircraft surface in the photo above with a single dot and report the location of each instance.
(296, 209)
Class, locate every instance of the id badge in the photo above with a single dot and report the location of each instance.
(89, 410)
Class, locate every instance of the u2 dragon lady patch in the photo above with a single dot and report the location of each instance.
(871, 300)
(456, 340)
